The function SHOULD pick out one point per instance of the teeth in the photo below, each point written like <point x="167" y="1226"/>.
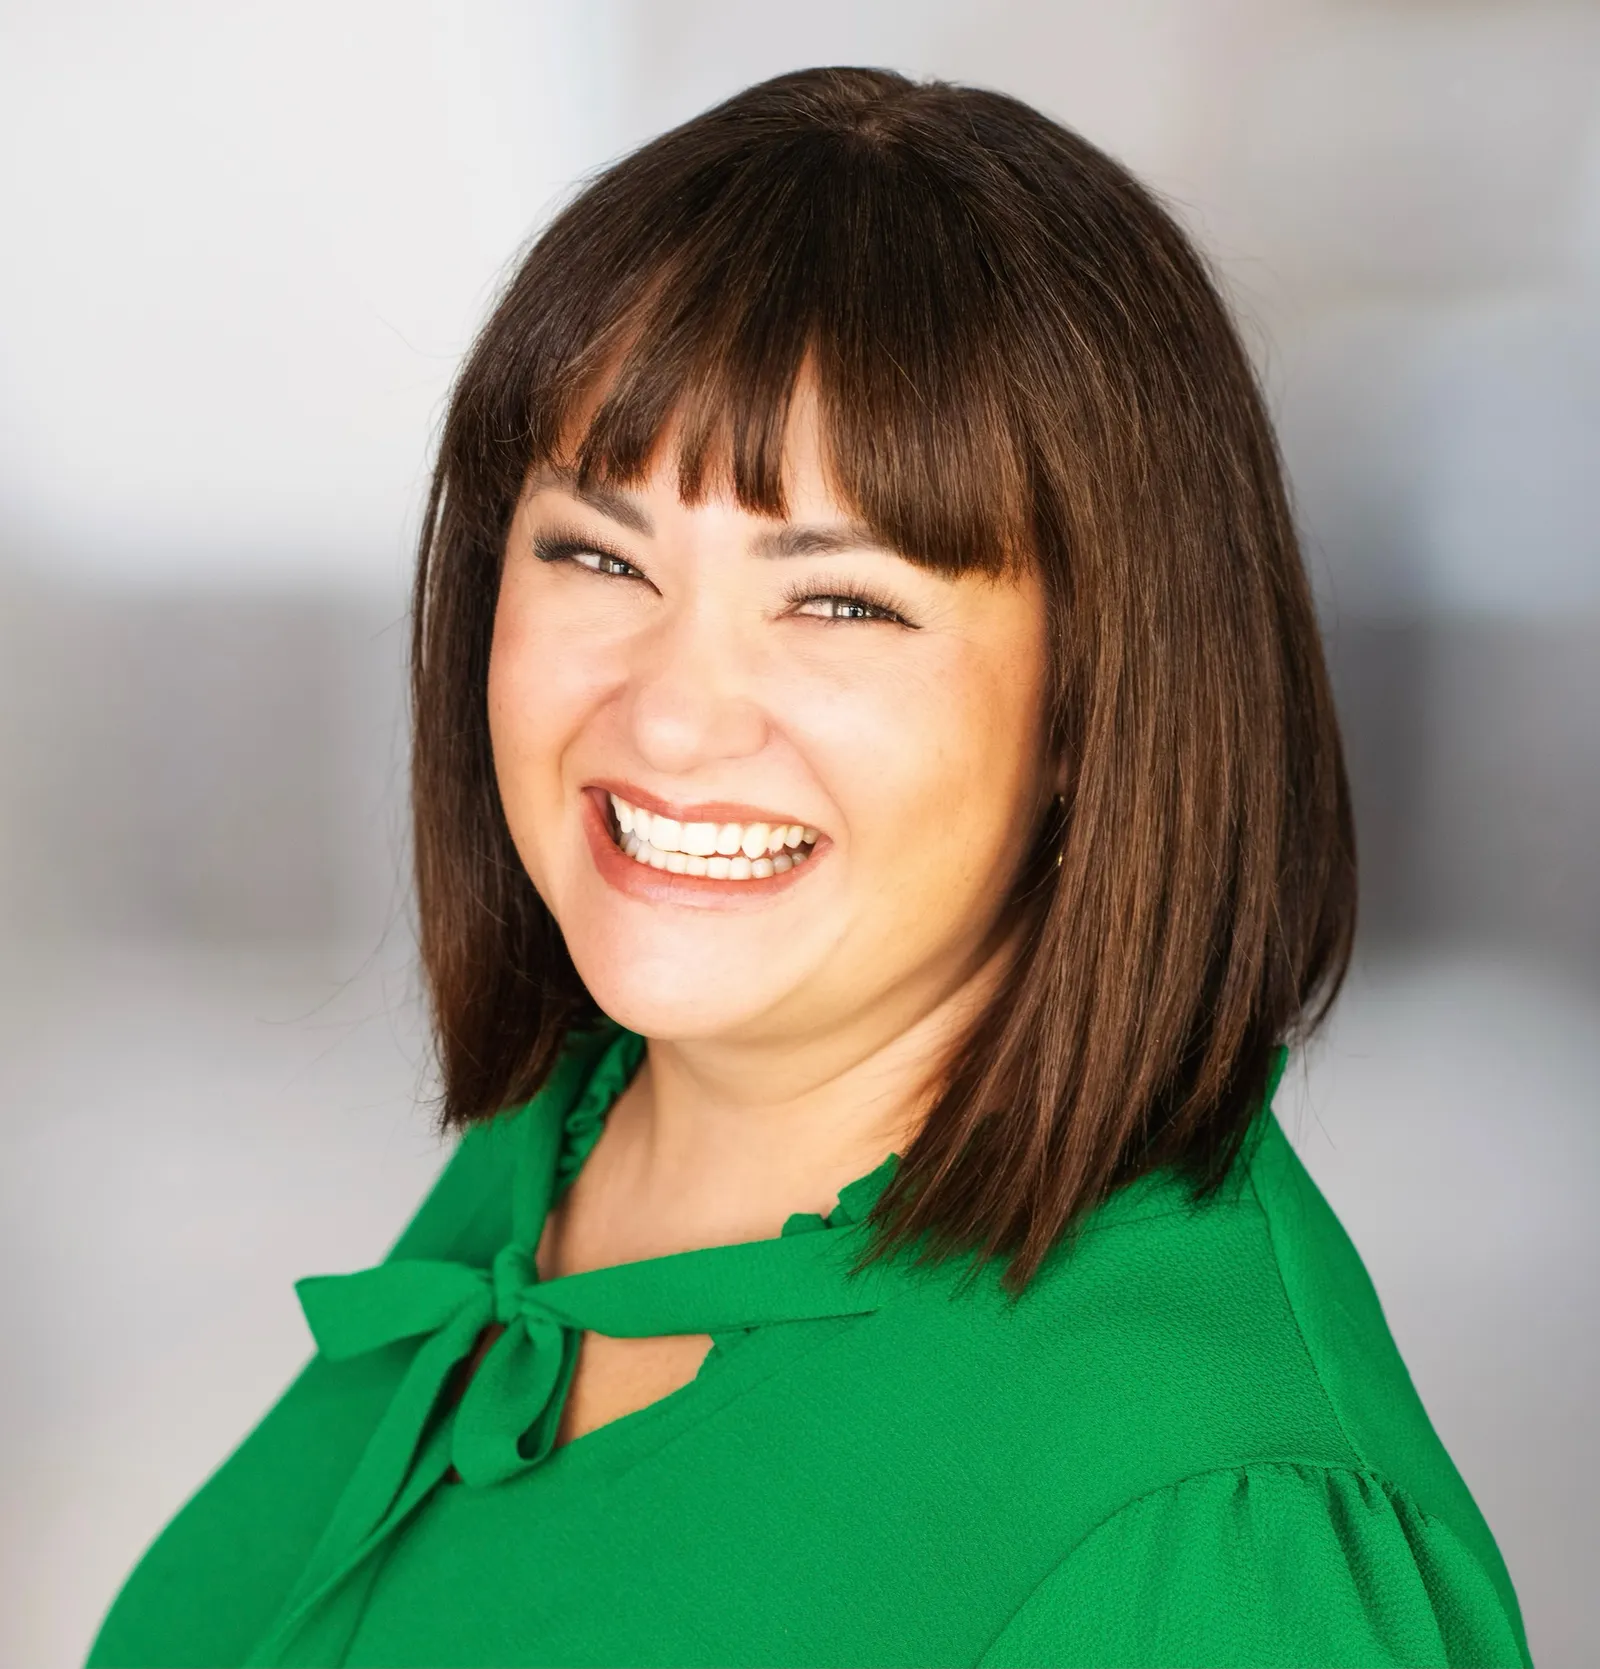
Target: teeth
<point x="717" y="851"/>
<point x="700" y="838"/>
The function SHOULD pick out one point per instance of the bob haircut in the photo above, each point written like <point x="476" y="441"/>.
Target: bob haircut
<point x="1019" y="359"/>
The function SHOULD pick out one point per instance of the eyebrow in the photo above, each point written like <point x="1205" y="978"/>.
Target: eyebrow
<point x="781" y="542"/>
<point x="621" y="507"/>
<point x="815" y="541"/>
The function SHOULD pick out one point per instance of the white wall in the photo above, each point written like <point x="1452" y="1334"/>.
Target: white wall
<point x="248" y="245"/>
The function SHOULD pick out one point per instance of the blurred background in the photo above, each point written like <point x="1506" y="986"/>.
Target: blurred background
<point x="248" y="245"/>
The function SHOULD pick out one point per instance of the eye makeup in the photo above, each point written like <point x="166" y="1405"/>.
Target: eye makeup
<point x="562" y="545"/>
<point x="882" y="605"/>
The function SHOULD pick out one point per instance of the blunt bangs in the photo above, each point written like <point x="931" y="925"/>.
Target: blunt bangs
<point x="816" y="265"/>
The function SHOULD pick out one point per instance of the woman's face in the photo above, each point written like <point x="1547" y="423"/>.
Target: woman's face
<point x="702" y="665"/>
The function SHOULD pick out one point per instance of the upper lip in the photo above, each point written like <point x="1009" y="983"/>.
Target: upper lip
<point x="702" y="811"/>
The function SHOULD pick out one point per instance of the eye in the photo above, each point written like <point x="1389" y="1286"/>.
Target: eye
<point x="585" y="553"/>
<point x="850" y="603"/>
<point x="861" y="603"/>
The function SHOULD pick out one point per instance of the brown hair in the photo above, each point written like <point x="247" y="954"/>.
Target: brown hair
<point x="1019" y="357"/>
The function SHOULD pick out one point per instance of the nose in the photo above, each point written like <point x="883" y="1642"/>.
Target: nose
<point x="693" y="695"/>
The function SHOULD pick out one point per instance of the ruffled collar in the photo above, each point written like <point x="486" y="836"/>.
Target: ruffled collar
<point x="619" y="1060"/>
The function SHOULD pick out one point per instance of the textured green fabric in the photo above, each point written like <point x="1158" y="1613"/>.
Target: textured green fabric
<point x="1191" y="1442"/>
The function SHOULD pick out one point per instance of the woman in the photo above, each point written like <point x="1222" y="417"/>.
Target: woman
<point x="879" y="818"/>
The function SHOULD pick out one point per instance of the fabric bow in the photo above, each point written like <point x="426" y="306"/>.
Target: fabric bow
<point x="507" y="1417"/>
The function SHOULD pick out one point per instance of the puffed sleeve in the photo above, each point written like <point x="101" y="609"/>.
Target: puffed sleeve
<point x="1277" y="1565"/>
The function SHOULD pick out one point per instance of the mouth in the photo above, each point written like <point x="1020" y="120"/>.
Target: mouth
<point x="740" y="854"/>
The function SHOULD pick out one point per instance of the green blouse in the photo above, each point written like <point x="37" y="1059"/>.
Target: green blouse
<point x="1192" y="1441"/>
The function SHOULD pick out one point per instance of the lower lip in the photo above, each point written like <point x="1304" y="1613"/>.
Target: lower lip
<point x="661" y="886"/>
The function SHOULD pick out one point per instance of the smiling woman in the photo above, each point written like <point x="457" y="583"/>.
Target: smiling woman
<point x="880" y="823"/>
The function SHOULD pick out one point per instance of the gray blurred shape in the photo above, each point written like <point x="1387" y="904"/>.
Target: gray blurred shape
<point x="231" y="768"/>
<point x="1474" y="754"/>
<point x="219" y="767"/>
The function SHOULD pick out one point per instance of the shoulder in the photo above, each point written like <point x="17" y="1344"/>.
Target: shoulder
<point x="1240" y="1328"/>
<point x="208" y="1586"/>
<point x="1165" y="1339"/>
<point x="468" y="1209"/>
<point x="1266" y="1564"/>
<point x="469" y="1215"/>
<point x="1215" y="1399"/>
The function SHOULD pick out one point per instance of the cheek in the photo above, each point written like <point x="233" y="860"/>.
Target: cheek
<point x="529" y="707"/>
<point x="934" y="768"/>
<point x="510" y="690"/>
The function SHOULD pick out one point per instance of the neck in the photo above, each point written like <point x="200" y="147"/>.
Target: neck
<point x="716" y="1142"/>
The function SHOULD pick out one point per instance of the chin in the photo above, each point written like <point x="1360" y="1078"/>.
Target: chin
<point x="674" y="1016"/>
<point x="674" y="976"/>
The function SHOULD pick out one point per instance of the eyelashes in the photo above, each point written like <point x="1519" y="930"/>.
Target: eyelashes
<point x="562" y="547"/>
<point x="859" y="596"/>
<point x="566" y="547"/>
